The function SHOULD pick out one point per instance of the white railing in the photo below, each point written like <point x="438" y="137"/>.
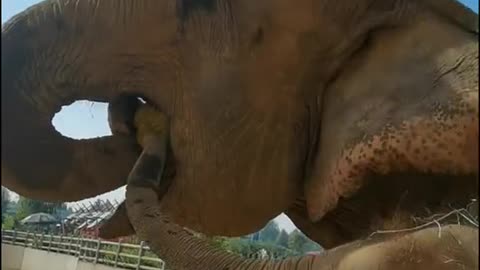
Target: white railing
<point x="117" y="254"/>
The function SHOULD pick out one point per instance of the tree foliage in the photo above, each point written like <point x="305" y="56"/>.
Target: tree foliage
<point x="276" y="242"/>
<point x="28" y="206"/>
<point x="270" y="232"/>
<point x="5" y="200"/>
<point x="282" y="239"/>
<point x="299" y="242"/>
<point x="220" y="242"/>
<point x="247" y="248"/>
<point x="8" y="222"/>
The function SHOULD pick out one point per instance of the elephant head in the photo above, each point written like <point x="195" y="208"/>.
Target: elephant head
<point x="180" y="249"/>
<point x="270" y="101"/>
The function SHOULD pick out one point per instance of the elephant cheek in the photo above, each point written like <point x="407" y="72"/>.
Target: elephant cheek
<point x="436" y="145"/>
<point x="404" y="105"/>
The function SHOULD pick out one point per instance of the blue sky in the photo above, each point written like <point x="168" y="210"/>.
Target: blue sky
<point x="86" y="119"/>
<point x="12" y="7"/>
<point x="473" y="4"/>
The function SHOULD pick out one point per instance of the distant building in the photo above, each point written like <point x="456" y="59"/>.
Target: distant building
<point x="87" y="220"/>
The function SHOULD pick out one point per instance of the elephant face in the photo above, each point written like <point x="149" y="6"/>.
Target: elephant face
<point x="267" y="101"/>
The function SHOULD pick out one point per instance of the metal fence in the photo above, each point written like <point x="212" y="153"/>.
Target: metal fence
<point x="116" y="254"/>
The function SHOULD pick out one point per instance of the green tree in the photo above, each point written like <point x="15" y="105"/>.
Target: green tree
<point x="8" y="222"/>
<point x="28" y="206"/>
<point x="219" y="242"/>
<point x="246" y="248"/>
<point x="282" y="239"/>
<point x="270" y="232"/>
<point x="298" y="242"/>
<point x="5" y="200"/>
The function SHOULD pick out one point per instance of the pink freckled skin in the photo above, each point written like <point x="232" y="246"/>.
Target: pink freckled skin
<point x="408" y="103"/>
<point x="427" y="152"/>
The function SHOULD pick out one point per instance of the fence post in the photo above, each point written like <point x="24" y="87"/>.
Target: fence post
<point x="69" y="246"/>
<point x="119" y="247"/>
<point x="41" y="240"/>
<point x="50" y="243"/>
<point x="80" y="241"/>
<point x="97" y="251"/>
<point x="75" y="249"/>
<point x="60" y="244"/>
<point x="14" y="235"/>
<point x="36" y="240"/>
<point x="140" y="254"/>
<point x="26" y="239"/>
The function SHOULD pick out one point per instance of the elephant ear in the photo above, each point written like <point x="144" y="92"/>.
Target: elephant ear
<point x="456" y="13"/>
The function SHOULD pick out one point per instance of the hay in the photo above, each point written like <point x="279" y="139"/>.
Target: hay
<point x="464" y="216"/>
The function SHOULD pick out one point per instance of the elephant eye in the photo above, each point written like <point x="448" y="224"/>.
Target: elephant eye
<point x="257" y="37"/>
<point x="186" y="7"/>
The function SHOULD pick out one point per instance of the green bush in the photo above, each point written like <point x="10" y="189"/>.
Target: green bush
<point x="8" y="222"/>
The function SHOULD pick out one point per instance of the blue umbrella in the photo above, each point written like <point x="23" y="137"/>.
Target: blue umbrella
<point x="39" y="218"/>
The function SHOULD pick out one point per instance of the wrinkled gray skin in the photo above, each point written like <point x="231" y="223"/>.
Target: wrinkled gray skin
<point x="346" y="116"/>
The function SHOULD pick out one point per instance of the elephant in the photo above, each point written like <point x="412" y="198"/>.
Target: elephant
<point x="349" y="117"/>
<point x="424" y="249"/>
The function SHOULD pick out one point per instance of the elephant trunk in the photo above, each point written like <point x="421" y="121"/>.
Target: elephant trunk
<point x="180" y="249"/>
<point x="44" y="54"/>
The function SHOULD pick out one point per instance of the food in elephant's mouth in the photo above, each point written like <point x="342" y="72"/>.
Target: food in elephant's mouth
<point x="144" y="117"/>
<point x="125" y="114"/>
